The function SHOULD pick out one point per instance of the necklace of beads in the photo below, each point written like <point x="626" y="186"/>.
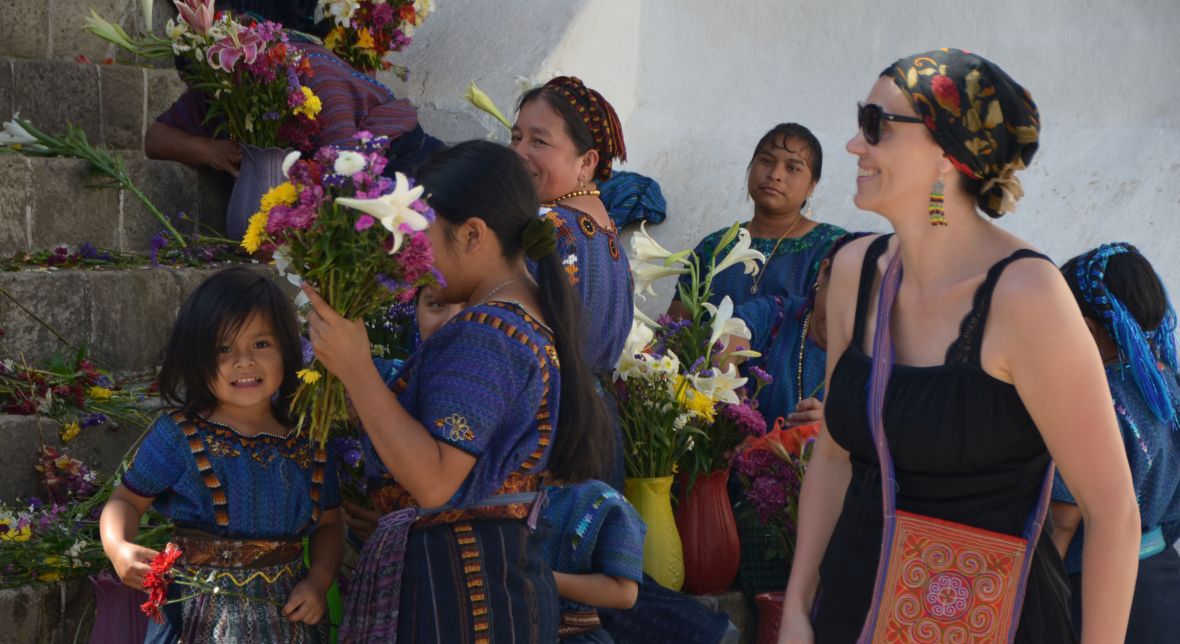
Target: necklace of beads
<point x="495" y="290"/>
<point x="571" y="195"/>
<point x="771" y="256"/>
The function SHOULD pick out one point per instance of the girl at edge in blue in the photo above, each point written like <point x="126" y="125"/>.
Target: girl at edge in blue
<point x="495" y="397"/>
<point x="1133" y="323"/>
<point x="228" y="469"/>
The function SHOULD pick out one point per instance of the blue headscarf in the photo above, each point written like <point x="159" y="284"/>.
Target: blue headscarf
<point x="1144" y="351"/>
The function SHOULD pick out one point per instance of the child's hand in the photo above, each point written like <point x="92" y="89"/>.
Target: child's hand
<point x="306" y="603"/>
<point x="132" y="562"/>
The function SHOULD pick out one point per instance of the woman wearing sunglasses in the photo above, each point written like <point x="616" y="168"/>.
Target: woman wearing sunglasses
<point x="993" y="372"/>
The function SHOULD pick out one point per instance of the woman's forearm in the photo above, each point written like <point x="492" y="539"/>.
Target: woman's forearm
<point x="1110" y="562"/>
<point x="597" y="589"/>
<point x="820" y="503"/>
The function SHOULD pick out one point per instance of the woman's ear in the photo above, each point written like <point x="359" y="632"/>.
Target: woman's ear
<point x="590" y="164"/>
<point x="474" y="234"/>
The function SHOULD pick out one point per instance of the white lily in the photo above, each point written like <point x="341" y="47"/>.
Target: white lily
<point x="14" y="134"/>
<point x="741" y="253"/>
<point x="721" y="386"/>
<point x="482" y="101"/>
<point x="393" y="210"/>
<point x="724" y="324"/>
<point x="646" y="274"/>
<point x="348" y="163"/>
<point x="647" y="249"/>
<point x="643" y="317"/>
<point x="289" y="161"/>
<point x="639" y="338"/>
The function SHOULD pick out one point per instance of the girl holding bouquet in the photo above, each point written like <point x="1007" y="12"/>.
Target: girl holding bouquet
<point x="226" y="466"/>
<point x="496" y="396"/>
<point x="568" y="136"/>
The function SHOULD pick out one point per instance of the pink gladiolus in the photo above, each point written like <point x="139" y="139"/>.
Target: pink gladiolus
<point x="224" y="54"/>
<point x="197" y="13"/>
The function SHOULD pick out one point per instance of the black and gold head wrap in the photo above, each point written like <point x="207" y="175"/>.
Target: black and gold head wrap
<point x="987" y="124"/>
<point x="599" y="116"/>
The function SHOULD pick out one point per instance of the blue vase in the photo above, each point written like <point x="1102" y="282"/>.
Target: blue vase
<point x="261" y="170"/>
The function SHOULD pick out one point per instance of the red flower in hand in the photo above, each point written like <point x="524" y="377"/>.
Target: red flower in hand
<point x="155" y="582"/>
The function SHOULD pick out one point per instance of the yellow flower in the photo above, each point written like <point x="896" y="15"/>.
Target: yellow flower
<point x="14" y="534"/>
<point x="364" y="40"/>
<point x="70" y="432"/>
<point x="332" y="40"/>
<point x="282" y="194"/>
<point x="58" y="563"/>
<point x="255" y="232"/>
<point x="696" y="403"/>
<point x="309" y="376"/>
<point x="311" y="106"/>
<point x="100" y="393"/>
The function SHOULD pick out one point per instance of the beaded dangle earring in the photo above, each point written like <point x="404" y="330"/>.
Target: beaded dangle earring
<point x="937" y="215"/>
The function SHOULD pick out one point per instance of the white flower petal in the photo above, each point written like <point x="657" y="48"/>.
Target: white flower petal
<point x="289" y="161"/>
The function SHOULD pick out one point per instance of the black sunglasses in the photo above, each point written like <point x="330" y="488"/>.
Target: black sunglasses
<point x="869" y="118"/>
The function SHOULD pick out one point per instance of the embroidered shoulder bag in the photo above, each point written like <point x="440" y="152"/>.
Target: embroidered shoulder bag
<point x="939" y="581"/>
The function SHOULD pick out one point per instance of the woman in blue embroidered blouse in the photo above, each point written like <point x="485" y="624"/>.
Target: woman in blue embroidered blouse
<point x="1133" y="323"/>
<point x="226" y="466"/>
<point x="781" y="177"/>
<point x="568" y="136"/>
<point x="496" y="396"/>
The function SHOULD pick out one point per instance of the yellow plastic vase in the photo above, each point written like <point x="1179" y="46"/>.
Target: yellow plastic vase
<point x="663" y="555"/>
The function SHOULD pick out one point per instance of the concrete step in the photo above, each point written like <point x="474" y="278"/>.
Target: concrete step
<point x="113" y="104"/>
<point x="53" y="30"/>
<point x="123" y="316"/>
<point x="101" y="448"/>
<point x="46" y="201"/>
<point x="57" y="613"/>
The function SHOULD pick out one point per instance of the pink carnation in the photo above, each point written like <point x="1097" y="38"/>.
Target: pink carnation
<point x="415" y="257"/>
<point x="364" y="222"/>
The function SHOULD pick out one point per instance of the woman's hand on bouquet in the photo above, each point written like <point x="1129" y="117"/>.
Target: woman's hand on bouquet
<point x="809" y="411"/>
<point x="340" y="344"/>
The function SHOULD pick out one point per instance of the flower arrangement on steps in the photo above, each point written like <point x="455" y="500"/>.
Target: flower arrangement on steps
<point x="365" y="32"/>
<point x="670" y="383"/>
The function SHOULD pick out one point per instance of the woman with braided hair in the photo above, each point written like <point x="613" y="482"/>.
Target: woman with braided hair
<point x="958" y="370"/>
<point x="1133" y="323"/>
<point x="568" y="136"/>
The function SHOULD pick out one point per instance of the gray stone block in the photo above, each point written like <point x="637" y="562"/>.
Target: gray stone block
<point x="164" y="87"/>
<point x="15" y="182"/>
<point x="58" y="298"/>
<point x="68" y="38"/>
<point x="52" y="93"/>
<point x="171" y="187"/>
<point x="131" y="313"/>
<point x="65" y="210"/>
<point x="213" y="190"/>
<point x="46" y="613"/>
<point x="7" y="89"/>
<point x="121" y="115"/>
<point x="24" y="29"/>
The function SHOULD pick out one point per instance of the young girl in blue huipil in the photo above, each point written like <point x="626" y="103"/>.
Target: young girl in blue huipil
<point x="226" y="466"/>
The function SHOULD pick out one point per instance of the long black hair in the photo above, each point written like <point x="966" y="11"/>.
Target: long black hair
<point x="487" y="180"/>
<point x="212" y="316"/>
<point x="1130" y="278"/>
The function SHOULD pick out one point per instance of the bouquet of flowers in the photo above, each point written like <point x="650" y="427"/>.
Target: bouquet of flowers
<point x="352" y="233"/>
<point x="717" y="395"/>
<point x="364" y="32"/>
<point x="770" y="468"/>
<point x="251" y="74"/>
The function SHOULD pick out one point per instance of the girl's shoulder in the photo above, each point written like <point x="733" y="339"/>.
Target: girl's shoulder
<point x="504" y="331"/>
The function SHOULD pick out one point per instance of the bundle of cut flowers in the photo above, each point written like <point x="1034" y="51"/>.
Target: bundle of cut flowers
<point x="251" y="75"/>
<point x="353" y="234"/>
<point x="72" y="390"/>
<point x="770" y="468"/>
<point x="705" y="381"/>
<point x="364" y="32"/>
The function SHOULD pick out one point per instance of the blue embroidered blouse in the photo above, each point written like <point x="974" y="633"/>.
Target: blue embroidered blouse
<point x="776" y="327"/>
<point x="1153" y="451"/>
<point x="595" y="530"/>
<point x="599" y="270"/>
<point x="791" y="272"/>
<point x="488" y="383"/>
<point x="274" y="487"/>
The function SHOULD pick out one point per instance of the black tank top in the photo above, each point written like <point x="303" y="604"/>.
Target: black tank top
<point x="964" y="449"/>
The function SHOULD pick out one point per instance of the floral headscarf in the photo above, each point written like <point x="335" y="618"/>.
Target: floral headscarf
<point x="987" y="124"/>
<point x="599" y="116"/>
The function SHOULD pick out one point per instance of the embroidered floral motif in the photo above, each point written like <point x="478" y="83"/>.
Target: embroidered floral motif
<point x="220" y="448"/>
<point x="551" y="351"/>
<point x="264" y="456"/>
<point x="456" y="427"/>
<point x="571" y="268"/>
<point x="586" y="223"/>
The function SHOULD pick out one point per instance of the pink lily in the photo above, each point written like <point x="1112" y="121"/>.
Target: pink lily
<point x="197" y="13"/>
<point x="244" y="44"/>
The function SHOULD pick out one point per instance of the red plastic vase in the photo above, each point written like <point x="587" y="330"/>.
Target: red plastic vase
<point x="770" y="616"/>
<point x="708" y="531"/>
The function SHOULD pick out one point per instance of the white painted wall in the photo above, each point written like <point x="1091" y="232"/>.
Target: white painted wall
<point x="697" y="82"/>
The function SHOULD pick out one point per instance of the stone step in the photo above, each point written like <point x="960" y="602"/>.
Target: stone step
<point x="113" y="104"/>
<point x="46" y="201"/>
<point x="123" y="316"/>
<point x="53" y="30"/>
<point x="101" y="448"/>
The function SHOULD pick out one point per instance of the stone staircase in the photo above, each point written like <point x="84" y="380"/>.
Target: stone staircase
<point x="122" y="315"/>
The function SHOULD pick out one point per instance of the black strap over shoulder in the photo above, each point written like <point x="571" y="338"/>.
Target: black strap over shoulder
<point x="868" y="273"/>
<point x="966" y="348"/>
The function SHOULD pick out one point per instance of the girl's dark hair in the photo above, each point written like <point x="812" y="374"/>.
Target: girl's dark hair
<point x="778" y="136"/>
<point x="486" y="180"/>
<point x="211" y="316"/>
<point x="575" y="127"/>
<point x="1130" y="278"/>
